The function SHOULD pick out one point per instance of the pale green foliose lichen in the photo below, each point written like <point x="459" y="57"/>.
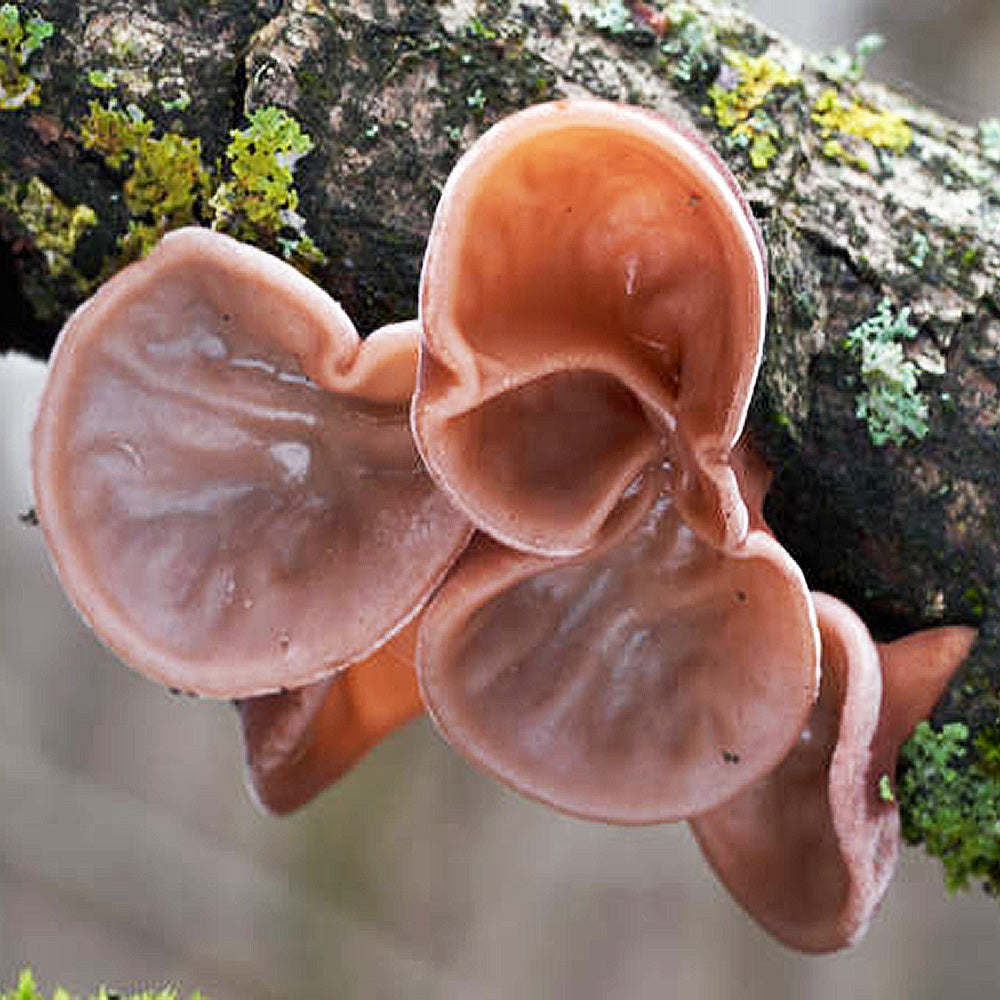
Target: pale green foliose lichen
<point x="891" y="404"/>
<point x="611" y="16"/>
<point x="849" y="67"/>
<point x="688" y="51"/>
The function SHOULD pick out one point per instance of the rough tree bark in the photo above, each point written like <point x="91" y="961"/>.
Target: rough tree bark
<point x="862" y="195"/>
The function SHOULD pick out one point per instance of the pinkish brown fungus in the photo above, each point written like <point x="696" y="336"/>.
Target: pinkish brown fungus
<point x="593" y="301"/>
<point x="299" y="742"/>
<point x="809" y="850"/>
<point x="647" y="680"/>
<point x="225" y="475"/>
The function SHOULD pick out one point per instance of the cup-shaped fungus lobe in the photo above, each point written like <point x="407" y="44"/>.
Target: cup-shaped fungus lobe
<point x="296" y="743"/>
<point x="809" y="850"/>
<point x="225" y="474"/>
<point x="592" y="299"/>
<point x="647" y="680"/>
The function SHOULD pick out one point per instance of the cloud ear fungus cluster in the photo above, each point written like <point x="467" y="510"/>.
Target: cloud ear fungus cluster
<point x="592" y="299"/>
<point x="297" y="743"/>
<point x="225" y="474"/>
<point x="647" y="680"/>
<point x="809" y="850"/>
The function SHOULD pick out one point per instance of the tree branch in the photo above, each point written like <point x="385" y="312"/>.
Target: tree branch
<point x="882" y="221"/>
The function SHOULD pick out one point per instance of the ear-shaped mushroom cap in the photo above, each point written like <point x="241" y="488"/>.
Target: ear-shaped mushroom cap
<point x="646" y="681"/>
<point x="592" y="299"/>
<point x="299" y="742"/>
<point x="810" y="849"/>
<point x="225" y="473"/>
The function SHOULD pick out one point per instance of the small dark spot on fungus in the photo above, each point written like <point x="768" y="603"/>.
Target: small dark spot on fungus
<point x="29" y="518"/>
<point x="729" y="757"/>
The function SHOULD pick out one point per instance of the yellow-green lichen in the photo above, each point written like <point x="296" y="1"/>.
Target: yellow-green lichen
<point x="949" y="795"/>
<point x="20" y="38"/>
<point x="166" y="178"/>
<point x="756" y="77"/>
<point x="252" y="196"/>
<point x="258" y="201"/>
<point x="841" y="121"/>
<point x="26" y="989"/>
<point x="738" y="104"/>
<point x="54" y="227"/>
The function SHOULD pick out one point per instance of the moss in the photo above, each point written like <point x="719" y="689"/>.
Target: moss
<point x="841" y="122"/>
<point x="55" y="227"/>
<point x="891" y="404"/>
<point x="949" y="794"/>
<point x="168" y="185"/>
<point x="20" y="38"/>
<point x="26" y="989"/>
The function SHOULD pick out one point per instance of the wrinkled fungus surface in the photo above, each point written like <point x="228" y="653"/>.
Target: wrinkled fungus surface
<point x="225" y="474"/>
<point x="810" y="849"/>
<point x="645" y="681"/>
<point x="592" y="301"/>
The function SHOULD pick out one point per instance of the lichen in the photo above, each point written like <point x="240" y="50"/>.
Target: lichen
<point x="949" y="794"/>
<point x="28" y="990"/>
<point x="688" y="51"/>
<point x="166" y="178"/>
<point x="19" y="40"/>
<point x="168" y="185"/>
<point x="258" y="202"/>
<point x="891" y="405"/>
<point x="611" y="17"/>
<point x="841" y="123"/>
<point x="738" y="99"/>
<point x="54" y="227"/>
<point x="988" y="133"/>
<point x="845" y="66"/>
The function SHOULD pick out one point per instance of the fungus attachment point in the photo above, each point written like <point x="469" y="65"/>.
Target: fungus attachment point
<point x="225" y="474"/>
<point x="299" y="742"/>
<point x="810" y="849"/>
<point x="593" y="301"/>
<point x="645" y="681"/>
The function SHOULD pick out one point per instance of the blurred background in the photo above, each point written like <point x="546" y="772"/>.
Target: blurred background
<point x="130" y="853"/>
